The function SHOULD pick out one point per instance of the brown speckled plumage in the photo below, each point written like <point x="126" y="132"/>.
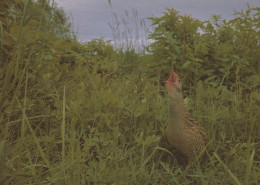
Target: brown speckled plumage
<point x="182" y="131"/>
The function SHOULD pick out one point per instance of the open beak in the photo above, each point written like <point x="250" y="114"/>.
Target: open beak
<point x="172" y="78"/>
<point x="167" y="82"/>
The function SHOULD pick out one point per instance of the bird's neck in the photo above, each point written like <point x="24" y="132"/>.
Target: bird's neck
<point x="176" y="111"/>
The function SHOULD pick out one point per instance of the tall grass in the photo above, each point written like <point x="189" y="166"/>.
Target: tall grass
<point x="129" y="31"/>
<point x="75" y="113"/>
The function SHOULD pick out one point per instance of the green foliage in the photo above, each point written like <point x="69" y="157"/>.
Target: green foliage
<point x="219" y="52"/>
<point x="85" y="113"/>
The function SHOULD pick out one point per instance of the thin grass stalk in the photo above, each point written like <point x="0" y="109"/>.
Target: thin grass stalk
<point x="43" y="13"/>
<point x="63" y="123"/>
<point x="41" y="56"/>
<point x="19" y="50"/>
<point x="13" y="68"/>
<point x="22" y="23"/>
<point x="249" y="167"/>
<point x="51" y="181"/>
<point x="43" y="156"/>
<point x="2" y="145"/>
<point x="23" y="129"/>
<point x="165" y="150"/>
<point x="250" y="158"/>
<point x="1" y="40"/>
<point x="19" y="38"/>
<point x="226" y="74"/>
<point x="30" y="118"/>
<point x="53" y="25"/>
<point x="226" y="168"/>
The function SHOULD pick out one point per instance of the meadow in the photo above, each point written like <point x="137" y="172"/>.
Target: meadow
<point x="90" y="113"/>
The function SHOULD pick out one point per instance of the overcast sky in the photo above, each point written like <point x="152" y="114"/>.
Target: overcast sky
<point x="91" y="18"/>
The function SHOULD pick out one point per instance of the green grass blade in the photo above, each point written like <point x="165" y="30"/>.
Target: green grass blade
<point x="226" y="168"/>
<point x="34" y="136"/>
<point x="63" y="123"/>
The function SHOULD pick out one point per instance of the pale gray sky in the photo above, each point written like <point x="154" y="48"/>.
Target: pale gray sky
<point x="91" y="18"/>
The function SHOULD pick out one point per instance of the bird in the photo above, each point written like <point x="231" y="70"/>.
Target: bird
<point x="182" y="131"/>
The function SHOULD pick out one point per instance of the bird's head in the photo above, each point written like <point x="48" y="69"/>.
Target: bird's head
<point x="173" y="85"/>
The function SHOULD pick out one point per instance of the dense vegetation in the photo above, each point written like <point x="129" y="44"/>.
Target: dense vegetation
<point x="87" y="113"/>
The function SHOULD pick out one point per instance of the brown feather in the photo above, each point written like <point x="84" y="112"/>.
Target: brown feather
<point x="182" y="131"/>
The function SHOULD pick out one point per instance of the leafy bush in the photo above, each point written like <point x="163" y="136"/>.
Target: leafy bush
<point x="218" y="52"/>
